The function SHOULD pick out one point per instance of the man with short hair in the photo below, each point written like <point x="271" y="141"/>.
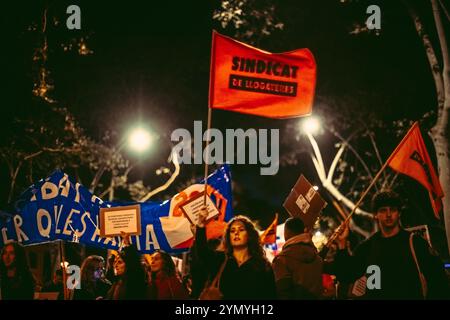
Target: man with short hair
<point x="298" y="268"/>
<point x="394" y="251"/>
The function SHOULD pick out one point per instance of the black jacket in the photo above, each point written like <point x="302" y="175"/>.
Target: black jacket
<point x="132" y="285"/>
<point x="253" y="280"/>
<point x="399" y="275"/>
<point x="17" y="288"/>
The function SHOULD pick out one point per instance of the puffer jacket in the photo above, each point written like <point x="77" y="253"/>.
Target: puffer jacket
<point x="298" y="269"/>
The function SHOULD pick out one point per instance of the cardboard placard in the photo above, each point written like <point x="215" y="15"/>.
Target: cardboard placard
<point x="191" y="208"/>
<point x="304" y="202"/>
<point x="115" y="220"/>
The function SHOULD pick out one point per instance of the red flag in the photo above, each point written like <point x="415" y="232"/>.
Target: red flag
<point x="412" y="159"/>
<point x="270" y="234"/>
<point x="249" y="80"/>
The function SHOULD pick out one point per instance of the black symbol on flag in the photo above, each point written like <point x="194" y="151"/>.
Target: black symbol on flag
<point x="418" y="158"/>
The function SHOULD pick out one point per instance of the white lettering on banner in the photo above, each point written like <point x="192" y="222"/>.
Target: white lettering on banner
<point x="138" y="243"/>
<point x="83" y="222"/>
<point x="49" y="191"/>
<point x="77" y="194"/>
<point x="64" y="186"/>
<point x="66" y="231"/>
<point x="57" y="215"/>
<point x="21" y="236"/>
<point x="44" y="232"/>
<point x="149" y="236"/>
<point x="5" y="236"/>
<point x="112" y="240"/>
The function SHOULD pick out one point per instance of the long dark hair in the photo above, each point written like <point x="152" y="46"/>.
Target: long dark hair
<point x="20" y="263"/>
<point x="168" y="266"/>
<point x="134" y="277"/>
<point x="255" y="249"/>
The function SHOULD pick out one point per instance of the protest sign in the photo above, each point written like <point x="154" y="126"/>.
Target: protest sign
<point x="304" y="202"/>
<point x="118" y="220"/>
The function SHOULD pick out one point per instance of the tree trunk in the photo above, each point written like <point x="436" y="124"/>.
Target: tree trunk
<point x="440" y="132"/>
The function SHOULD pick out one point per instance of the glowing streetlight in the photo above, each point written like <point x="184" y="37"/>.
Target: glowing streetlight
<point x="140" y="140"/>
<point x="311" y="125"/>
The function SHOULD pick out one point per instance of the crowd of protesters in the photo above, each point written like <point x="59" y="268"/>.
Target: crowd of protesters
<point x="237" y="268"/>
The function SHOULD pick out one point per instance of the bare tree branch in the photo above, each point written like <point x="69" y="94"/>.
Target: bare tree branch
<point x="357" y="155"/>
<point x="317" y="154"/>
<point x="168" y="182"/>
<point x="13" y="181"/>
<point x="335" y="162"/>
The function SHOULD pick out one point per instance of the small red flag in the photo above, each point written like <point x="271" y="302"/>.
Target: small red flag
<point x="412" y="159"/>
<point x="249" y="80"/>
<point x="270" y="234"/>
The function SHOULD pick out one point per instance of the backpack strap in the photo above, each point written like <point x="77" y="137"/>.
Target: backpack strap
<point x="422" y="279"/>
<point x="216" y="281"/>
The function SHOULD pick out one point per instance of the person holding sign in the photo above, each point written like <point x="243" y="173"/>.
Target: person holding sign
<point x="405" y="265"/>
<point x="130" y="282"/>
<point x="240" y="266"/>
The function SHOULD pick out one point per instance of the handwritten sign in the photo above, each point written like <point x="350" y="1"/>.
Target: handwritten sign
<point x="191" y="208"/>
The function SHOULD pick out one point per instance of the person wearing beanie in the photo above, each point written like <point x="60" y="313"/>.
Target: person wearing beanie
<point x="407" y="268"/>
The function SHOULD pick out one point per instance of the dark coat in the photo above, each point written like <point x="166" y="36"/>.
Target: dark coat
<point x="298" y="270"/>
<point x="399" y="275"/>
<point x="132" y="285"/>
<point x="253" y="280"/>
<point x="20" y="287"/>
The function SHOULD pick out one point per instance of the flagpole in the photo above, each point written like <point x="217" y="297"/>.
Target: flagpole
<point x="210" y="92"/>
<point x="208" y="137"/>
<point x="63" y="266"/>
<point x="341" y="228"/>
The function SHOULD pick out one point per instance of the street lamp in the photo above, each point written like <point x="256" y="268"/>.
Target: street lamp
<point x="140" y="140"/>
<point x="311" y="125"/>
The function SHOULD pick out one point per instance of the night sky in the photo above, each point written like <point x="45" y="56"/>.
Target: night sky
<point x="150" y="63"/>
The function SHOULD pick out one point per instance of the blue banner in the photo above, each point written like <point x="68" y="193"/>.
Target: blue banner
<point x="58" y="208"/>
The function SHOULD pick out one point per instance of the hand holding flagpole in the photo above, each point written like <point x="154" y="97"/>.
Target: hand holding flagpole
<point x="402" y="160"/>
